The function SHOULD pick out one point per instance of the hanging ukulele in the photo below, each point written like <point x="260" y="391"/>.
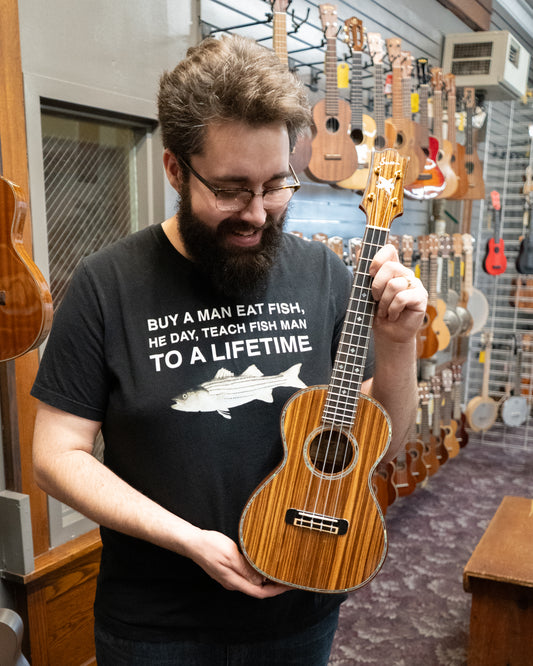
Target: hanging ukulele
<point x="334" y="156"/>
<point x="376" y="48"/>
<point x="25" y="300"/>
<point x="474" y="168"/>
<point x="495" y="261"/>
<point x="301" y="153"/>
<point x="314" y="523"/>
<point x="430" y="182"/>
<point x="362" y="127"/>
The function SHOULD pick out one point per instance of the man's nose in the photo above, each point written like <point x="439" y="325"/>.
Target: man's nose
<point x="255" y="212"/>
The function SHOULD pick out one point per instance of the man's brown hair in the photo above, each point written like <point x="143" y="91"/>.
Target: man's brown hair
<point x="231" y="78"/>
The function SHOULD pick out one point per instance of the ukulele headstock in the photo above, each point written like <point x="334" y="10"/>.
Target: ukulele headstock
<point x="469" y="98"/>
<point x="457" y="243"/>
<point x="435" y="387"/>
<point x="355" y="33"/>
<point x="437" y="79"/>
<point x="383" y="197"/>
<point x="445" y="243"/>
<point x="447" y="380"/>
<point x="328" y="18"/>
<point x="394" y="50"/>
<point x="467" y="244"/>
<point x="280" y="5"/>
<point x="495" y="199"/>
<point x="376" y="47"/>
<point x="434" y="245"/>
<point x="422" y="71"/>
<point x="449" y="82"/>
<point x="407" y="250"/>
<point x="423" y="393"/>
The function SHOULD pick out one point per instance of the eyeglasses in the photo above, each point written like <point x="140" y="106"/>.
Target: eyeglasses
<point x="236" y="199"/>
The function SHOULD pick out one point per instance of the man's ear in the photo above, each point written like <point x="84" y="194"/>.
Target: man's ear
<point x="173" y="169"/>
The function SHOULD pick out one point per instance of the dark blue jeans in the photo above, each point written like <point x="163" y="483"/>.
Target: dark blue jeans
<point x="310" y="647"/>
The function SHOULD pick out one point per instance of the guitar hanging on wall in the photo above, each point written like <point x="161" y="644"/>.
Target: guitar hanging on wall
<point x="301" y="153"/>
<point x="25" y="300"/>
<point x="495" y="261"/>
<point x="362" y="127"/>
<point x="315" y="523"/>
<point x="333" y="156"/>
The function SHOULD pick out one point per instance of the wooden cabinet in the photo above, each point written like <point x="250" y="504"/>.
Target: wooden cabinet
<point x="500" y="577"/>
<point x="56" y="602"/>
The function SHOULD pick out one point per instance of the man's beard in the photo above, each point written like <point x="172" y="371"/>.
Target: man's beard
<point x="235" y="272"/>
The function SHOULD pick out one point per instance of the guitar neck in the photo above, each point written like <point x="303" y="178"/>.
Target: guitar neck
<point x="437" y="115"/>
<point x="486" y="371"/>
<point x="280" y="36"/>
<point x="356" y="91"/>
<point x="379" y="104"/>
<point x="397" y="99"/>
<point x="332" y="95"/>
<point x="347" y="376"/>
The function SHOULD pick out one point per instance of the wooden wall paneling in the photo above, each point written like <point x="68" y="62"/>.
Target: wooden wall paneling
<point x="475" y="13"/>
<point x="14" y="154"/>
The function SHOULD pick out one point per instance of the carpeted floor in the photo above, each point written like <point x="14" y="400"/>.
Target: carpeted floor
<point x="415" y="612"/>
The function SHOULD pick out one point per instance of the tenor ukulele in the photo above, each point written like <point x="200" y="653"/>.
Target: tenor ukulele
<point x="495" y="261"/>
<point x="445" y="154"/>
<point x="430" y="181"/>
<point x="315" y="523"/>
<point x="25" y="300"/>
<point x="363" y="126"/>
<point x="333" y="155"/>
<point x="301" y="153"/>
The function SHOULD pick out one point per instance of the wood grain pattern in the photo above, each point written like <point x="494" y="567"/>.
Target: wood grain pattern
<point x="311" y="559"/>
<point x="25" y="300"/>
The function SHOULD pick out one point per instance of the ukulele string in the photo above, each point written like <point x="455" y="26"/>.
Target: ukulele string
<point x="349" y="374"/>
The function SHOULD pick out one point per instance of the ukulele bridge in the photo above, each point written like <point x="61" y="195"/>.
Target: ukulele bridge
<point x="316" y="521"/>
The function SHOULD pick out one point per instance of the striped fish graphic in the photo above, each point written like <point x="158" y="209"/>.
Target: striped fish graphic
<point x="226" y="391"/>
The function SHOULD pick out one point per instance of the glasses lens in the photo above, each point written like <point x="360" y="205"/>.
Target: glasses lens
<point x="229" y="200"/>
<point x="275" y="198"/>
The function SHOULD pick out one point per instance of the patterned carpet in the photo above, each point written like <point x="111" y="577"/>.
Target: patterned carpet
<point x="415" y="612"/>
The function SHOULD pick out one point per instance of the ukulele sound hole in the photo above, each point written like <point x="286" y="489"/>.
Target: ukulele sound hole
<point x="332" y="125"/>
<point x="379" y="142"/>
<point x="357" y="136"/>
<point x="331" y="452"/>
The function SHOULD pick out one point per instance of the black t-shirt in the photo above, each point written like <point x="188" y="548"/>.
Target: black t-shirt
<point x="189" y="388"/>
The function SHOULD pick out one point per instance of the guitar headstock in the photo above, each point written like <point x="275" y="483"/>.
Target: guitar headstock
<point x="376" y="47"/>
<point x="383" y="198"/>
<point x="467" y="244"/>
<point x="328" y="18"/>
<point x="435" y="386"/>
<point x="447" y="379"/>
<point x="469" y="98"/>
<point x="407" y="250"/>
<point x="394" y="49"/>
<point x="423" y="247"/>
<point x="355" y="33"/>
<point x="495" y="199"/>
<point x="423" y="392"/>
<point x="280" y="5"/>
<point x="434" y="245"/>
<point x="457" y="372"/>
<point x="445" y="245"/>
<point x="437" y="79"/>
<point x="422" y="71"/>
<point x="406" y="64"/>
<point x="449" y="82"/>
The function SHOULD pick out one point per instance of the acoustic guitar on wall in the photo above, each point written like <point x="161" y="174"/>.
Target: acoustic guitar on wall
<point x="333" y="156"/>
<point x="314" y="523"/>
<point x="362" y="126"/>
<point x="25" y="301"/>
<point x="301" y="153"/>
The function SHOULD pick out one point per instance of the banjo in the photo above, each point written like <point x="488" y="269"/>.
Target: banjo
<point x="515" y="409"/>
<point x="482" y="410"/>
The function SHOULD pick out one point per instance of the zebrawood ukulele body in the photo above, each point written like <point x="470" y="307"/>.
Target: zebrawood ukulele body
<point x="294" y="530"/>
<point x="315" y="522"/>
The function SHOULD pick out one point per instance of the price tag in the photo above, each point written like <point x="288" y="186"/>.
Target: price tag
<point x="415" y="102"/>
<point x="343" y="75"/>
